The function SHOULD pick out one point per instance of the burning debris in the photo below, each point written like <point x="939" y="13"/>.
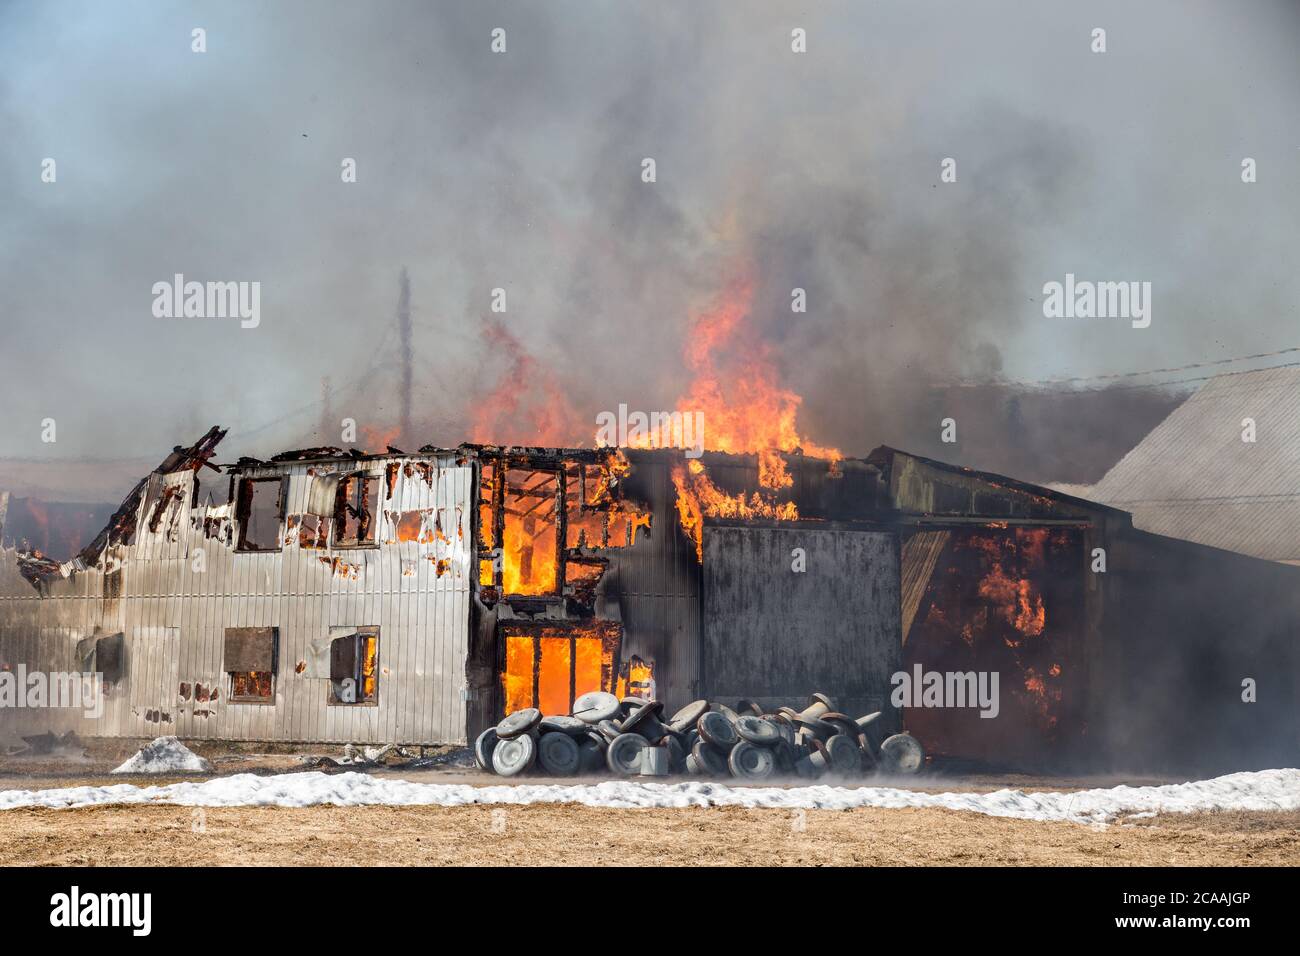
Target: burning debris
<point x="628" y="737"/>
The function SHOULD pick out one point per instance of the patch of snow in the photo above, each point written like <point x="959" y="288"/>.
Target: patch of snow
<point x="1260" y="790"/>
<point x="164" y="755"/>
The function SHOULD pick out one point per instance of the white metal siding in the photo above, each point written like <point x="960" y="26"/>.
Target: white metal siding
<point x="423" y="621"/>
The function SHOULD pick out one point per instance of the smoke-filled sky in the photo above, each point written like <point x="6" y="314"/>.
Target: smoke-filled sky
<point x="522" y="171"/>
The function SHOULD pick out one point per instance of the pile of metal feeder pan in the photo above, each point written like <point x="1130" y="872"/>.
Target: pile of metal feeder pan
<point x="630" y="737"/>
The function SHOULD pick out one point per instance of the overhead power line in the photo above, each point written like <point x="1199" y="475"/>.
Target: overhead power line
<point x="1202" y="378"/>
<point x="1118" y="376"/>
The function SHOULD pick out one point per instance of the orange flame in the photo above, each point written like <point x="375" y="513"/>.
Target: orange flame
<point x="530" y="511"/>
<point x="1018" y="601"/>
<point x="636" y="679"/>
<point x="549" y="667"/>
<point x="1042" y="697"/>
<point x="698" y="496"/>
<point x="528" y="555"/>
<point x="376" y="440"/>
<point x="527" y="406"/>
<point x="737" y="387"/>
<point x="369" y="658"/>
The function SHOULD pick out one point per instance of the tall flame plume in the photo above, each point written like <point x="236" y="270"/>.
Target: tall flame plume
<point x="747" y="409"/>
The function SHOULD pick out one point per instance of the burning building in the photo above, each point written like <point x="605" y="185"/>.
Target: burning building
<point x="331" y="596"/>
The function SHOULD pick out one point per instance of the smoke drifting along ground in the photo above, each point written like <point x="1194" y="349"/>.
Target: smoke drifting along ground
<point x="521" y="171"/>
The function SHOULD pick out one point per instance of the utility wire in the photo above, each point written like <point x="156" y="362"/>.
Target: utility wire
<point x="1195" y="378"/>
<point x="1173" y="368"/>
<point x="1116" y="376"/>
<point x="381" y="357"/>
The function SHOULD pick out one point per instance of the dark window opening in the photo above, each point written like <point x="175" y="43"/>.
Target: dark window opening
<point x="354" y="525"/>
<point x="250" y="660"/>
<point x="354" y="665"/>
<point x="259" y="512"/>
<point x="108" y="658"/>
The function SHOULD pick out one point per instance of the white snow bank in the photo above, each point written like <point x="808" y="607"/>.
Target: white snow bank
<point x="164" y="755"/>
<point x="1262" y="790"/>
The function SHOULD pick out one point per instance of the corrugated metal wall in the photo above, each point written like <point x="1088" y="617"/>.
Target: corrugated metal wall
<point x="181" y="589"/>
<point x="775" y="635"/>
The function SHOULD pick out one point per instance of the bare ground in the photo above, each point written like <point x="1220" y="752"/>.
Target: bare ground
<point x="569" y="835"/>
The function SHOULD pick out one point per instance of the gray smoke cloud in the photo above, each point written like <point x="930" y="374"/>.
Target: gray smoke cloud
<point x="522" y="171"/>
